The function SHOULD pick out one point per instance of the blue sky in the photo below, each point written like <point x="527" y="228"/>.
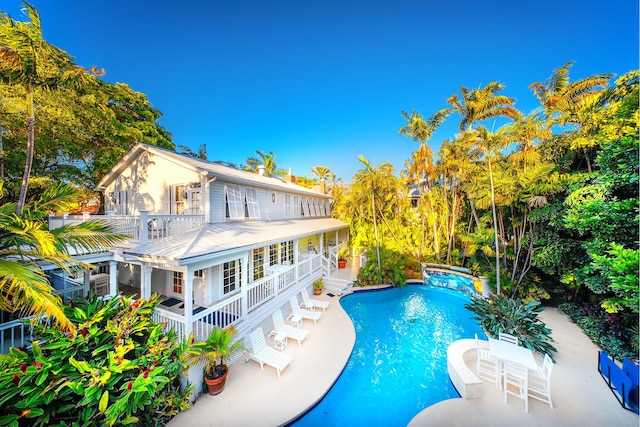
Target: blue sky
<point x="320" y="82"/>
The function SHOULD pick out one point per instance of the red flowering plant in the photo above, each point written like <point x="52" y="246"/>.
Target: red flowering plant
<point x="122" y="368"/>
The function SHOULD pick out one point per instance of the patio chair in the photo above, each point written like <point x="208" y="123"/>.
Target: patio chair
<point x="263" y="354"/>
<point x="619" y="383"/>
<point x="296" y="311"/>
<point x="540" y="382"/>
<point x="516" y="375"/>
<point x="487" y="366"/>
<point x="508" y="338"/>
<point x="279" y="327"/>
<point x="632" y="370"/>
<point x="310" y="304"/>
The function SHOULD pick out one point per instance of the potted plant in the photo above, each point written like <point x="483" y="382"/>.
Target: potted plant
<point x="317" y="286"/>
<point x="213" y="354"/>
<point x="343" y="257"/>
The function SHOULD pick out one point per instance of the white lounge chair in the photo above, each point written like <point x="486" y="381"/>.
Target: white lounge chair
<point x="279" y="327"/>
<point x="337" y="287"/>
<point x="311" y="304"/>
<point x="296" y="311"/>
<point x="262" y="353"/>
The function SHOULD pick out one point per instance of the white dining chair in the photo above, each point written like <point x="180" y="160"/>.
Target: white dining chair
<point x="516" y="375"/>
<point x="540" y="382"/>
<point x="508" y="338"/>
<point x="487" y="366"/>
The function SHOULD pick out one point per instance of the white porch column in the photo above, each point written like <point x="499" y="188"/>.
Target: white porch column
<point x="296" y="245"/>
<point x="113" y="277"/>
<point x="86" y="279"/>
<point x="244" y="283"/>
<point x="187" y="283"/>
<point x="145" y="281"/>
<point x="144" y="231"/>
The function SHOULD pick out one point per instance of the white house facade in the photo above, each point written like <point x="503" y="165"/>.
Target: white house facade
<point x="219" y="245"/>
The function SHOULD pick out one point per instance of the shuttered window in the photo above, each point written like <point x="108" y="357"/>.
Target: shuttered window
<point x="234" y="204"/>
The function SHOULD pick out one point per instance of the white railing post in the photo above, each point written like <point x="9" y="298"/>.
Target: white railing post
<point x="144" y="219"/>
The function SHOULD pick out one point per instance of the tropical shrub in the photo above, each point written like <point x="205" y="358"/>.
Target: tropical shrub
<point x="613" y="332"/>
<point x="392" y="271"/>
<point x="121" y="368"/>
<point x="501" y="314"/>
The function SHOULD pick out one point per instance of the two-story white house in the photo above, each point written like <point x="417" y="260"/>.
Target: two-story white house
<point x="221" y="246"/>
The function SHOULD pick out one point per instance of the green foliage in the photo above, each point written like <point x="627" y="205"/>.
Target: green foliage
<point x="121" y="368"/>
<point x="318" y="284"/>
<point x="615" y="333"/>
<point x="621" y="270"/>
<point x="501" y="314"/>
<point x="392" y="271"/>
<point x="213" y="353"/>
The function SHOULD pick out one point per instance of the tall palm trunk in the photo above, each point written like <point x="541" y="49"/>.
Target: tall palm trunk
<point x="31" y="120"/>
<point x="495" y="227"/>
<point x="375" y="226"/>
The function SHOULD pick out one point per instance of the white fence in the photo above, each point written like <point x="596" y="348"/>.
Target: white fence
<point x="142" y="228"/>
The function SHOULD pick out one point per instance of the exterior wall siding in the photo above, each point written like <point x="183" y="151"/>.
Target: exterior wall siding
<point x="146" y="180"/>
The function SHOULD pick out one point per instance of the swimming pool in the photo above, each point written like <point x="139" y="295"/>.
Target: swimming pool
<point x="398" y="365"/>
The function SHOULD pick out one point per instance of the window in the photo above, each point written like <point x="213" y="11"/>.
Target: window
<point x="177" y="282"/>
<point x="273" y="254"/>
<point x="120" y="202"/>
<point x="252" y="209"/>
<point x="296" y="202"/>
<point x="193" y="196"/>
<point x="316" y="206"/>
<point x="288" y="206"/>
<point x="198" y="273"/>
<point x="178" y="200"/>
<point x="234" y="205"/>
<point x="305" y="207"/>
<point x="258" y="263"/>
<point x="231" y="276"/>
<point x="286" y="253"/>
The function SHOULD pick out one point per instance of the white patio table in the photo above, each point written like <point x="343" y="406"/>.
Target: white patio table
<point x="514" y="353"/>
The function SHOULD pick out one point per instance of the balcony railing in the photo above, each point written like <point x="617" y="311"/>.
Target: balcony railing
<point x="141" y="228"/>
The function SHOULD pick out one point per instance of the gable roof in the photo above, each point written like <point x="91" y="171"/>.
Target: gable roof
<point x="216" y="239"/>
<point x="209" y="169"/>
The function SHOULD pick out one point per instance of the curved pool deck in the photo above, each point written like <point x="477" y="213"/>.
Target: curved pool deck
<point x="259" y="398"/>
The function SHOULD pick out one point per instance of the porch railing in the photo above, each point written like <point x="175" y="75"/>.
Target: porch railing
<point x="223" y="314"/>
<point x="15" y="333"/>
<point x="141" y="228"/>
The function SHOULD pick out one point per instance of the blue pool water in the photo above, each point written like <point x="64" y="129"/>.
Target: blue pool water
<point x="398" y="365"/>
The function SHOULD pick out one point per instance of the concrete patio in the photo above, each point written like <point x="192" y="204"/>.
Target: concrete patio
<point x="255" y="397"/>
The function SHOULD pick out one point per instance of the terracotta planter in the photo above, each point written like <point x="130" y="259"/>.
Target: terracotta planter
<point x="342" y="263"/>
<point x="216" y="385"/>
<point x="317" y="291"/>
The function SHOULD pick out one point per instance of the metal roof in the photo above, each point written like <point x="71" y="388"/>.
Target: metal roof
<point x="210" y="169"/>
<point x="211" y="240"/>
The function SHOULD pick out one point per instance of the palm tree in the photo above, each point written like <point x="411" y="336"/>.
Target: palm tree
<point x="481" y="104"/>
<point x="567" y="102"/>
<point x="421" y="130"/>
<point x="28" y="60"/>
<point x="493" y="143"/>
<point x="26" y="243"/>
<point x="266" y="160"/>
<point x="323" y="173"/>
